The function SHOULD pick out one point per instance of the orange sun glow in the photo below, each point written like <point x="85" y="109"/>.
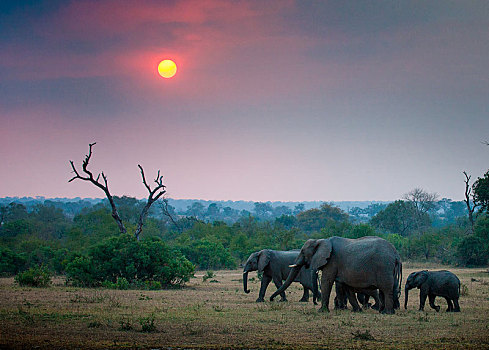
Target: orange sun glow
<point x="167" y="68"/>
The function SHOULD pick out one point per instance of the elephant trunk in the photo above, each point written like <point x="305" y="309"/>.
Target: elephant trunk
<point x="292" y="275"/>
<point x="245" y="282"/>
<point x="406" y="290"/>
<point x="314" y="281"/>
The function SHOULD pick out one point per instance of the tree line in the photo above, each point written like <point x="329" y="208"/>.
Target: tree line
<point x="123" y="241"/>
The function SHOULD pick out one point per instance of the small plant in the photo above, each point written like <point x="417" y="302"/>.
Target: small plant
<point x="153" y="285"/>
<point x="464" y="290"/>
<point x="94" y="324"/>
<point x="208" y="275"/>
<point x="147" y="324"/>
<point x="125" y="325"/>
<point x="34" y="277"/>
<point x="363" y="335"/>
<point x="144" y="297"/>
<point x="424" y="318"/>
<point x="218" y="308"/>
<point x="122" y="283"/>
<point x="26" y="316"/>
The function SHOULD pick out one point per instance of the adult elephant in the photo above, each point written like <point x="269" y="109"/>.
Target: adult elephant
<point x="364" y="263"/>
<point x="274" y="265"/>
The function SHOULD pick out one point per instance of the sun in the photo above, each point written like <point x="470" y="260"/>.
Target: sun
<point x="167" y="69"/>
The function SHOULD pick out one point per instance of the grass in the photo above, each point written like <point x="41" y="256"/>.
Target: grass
<point x="220" y="315"/>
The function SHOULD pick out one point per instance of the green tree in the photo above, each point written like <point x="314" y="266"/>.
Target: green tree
<point x="481" y="192"/>
<point x="401" y="217"/>
<point x="313" y="220"/>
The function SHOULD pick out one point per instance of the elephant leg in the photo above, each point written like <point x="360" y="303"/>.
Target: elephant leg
<point x="382" y="301"/>
<point x="353" y="300"/>
<point x="456" y="307"/>
<point x="305" y="295"/>
<point x="378" y="304"/>
<point x="449" y="304"/>
<point x="422" y="300"/>
<point x="326" y="285"/>
<point x="388" y="300"/>
<point x="431" y="299"/>
<point x="265" y="281"/>
<point x="278" y="284"/>
<point x="363" y="299"/>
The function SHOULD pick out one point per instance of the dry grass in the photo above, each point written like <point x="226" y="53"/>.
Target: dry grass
<point x="220" y="315"/>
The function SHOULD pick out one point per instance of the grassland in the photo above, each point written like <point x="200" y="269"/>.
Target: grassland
<point x="217" y="314"/>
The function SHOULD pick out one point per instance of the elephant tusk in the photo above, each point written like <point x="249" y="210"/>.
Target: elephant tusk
<point x="294" y="265"/>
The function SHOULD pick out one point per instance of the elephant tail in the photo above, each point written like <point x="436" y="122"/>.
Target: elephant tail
<point x="397" y="283"/>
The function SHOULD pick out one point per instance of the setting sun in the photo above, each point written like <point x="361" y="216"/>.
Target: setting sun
<point x="167" y="68"/>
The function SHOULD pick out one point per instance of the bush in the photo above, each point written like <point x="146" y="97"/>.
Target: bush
<point x="123" y="259"/>
<point x="208" y="253"/>
<point x="11" y="263"/>
<point x="471" y="251"/>
<point x="34" y="277"/>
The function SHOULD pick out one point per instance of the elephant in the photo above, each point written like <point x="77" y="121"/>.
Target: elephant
<point x="275" y="266"/>
<point x="362" y="295"/>
<point x="364" y="263"/>
<point x="432" y="284"/>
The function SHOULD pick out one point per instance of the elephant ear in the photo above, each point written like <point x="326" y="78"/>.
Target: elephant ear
<point x="420" y="277"/>
<point x="322" y="254"/>
<point x="263" y="259"/>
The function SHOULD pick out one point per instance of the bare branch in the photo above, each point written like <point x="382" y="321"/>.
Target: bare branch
<point x="470" y="207"/>
<point x="153" y="196"/>
<point x="166" y="212"/>
<point x="96" y="182"/>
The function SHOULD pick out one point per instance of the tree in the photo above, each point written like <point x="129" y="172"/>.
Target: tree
<point x="153" y="196"/>
<point x="263" y="210"/>
<point x="196" y="210"/>
<point x="481" y="192"/>
<point x="471" y="203"/>
<point x="422" y="200"/>
<point x="400" y="217"/>
<point x="313" y="220"/>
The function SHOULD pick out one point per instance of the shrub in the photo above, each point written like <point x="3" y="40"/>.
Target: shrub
<point x="207" y="253"/>
<point x="10" y="262"/>
<point x="34" y="277"/>
<point x="471" y="251"/>
<point x="123" y="259"/>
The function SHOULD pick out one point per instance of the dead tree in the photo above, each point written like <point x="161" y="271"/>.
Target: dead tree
<point x="468" y="195"/>
<point x="153" y="196"/>
<point x="104" y="187"/>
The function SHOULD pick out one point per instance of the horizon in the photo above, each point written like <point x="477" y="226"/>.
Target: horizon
<point x="272" y="101"/>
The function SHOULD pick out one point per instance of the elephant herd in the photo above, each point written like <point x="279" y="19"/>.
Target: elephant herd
<point x="363" y="268"/>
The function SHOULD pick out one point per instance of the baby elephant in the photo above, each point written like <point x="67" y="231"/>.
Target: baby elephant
<point x="432" y="284"/>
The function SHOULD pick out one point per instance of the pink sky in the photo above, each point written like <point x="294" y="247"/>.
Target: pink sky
<point x="276" y="100"/>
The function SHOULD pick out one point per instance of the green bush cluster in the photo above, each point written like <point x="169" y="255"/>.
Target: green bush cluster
<point x="123" y="261"/>
<point x="39" y="276"/>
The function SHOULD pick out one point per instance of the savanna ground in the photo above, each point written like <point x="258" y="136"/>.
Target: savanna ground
<point x="216" y="313"/>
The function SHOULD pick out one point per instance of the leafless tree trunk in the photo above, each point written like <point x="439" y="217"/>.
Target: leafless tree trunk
<point x="468" y="195"/>
<point x="104" y="187"/>
<point x="153" y="196"/>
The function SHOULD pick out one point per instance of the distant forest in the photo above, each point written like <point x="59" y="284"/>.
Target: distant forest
<point x="62" y="234"/>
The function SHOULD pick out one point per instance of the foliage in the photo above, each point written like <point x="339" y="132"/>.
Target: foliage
<point x="38" y="276"/>
<point x="124" y="257"/>
<point x="481" y="192"/>
<point x="207" y="253"/>
<point x="313" y="220"/>
<point x="11" y="263"/>
<point x="473" y="250"/>
<point x="401" y="217"/>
